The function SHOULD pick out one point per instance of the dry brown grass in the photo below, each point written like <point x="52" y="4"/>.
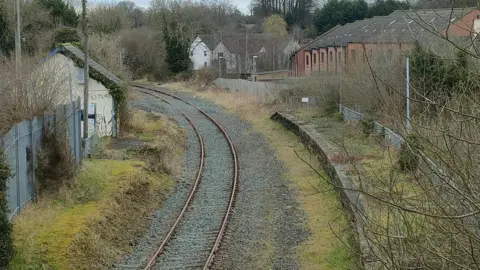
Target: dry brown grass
<point x="323" y="250"/>
<point x="91" y="224"/>
<point x="32" y="94"/>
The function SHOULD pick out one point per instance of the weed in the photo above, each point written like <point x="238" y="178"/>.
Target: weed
<point x="56" y="164"/>
<point x="6" y="242"/>
<point x="409" y="157"/>
<point x="368" y="125"/>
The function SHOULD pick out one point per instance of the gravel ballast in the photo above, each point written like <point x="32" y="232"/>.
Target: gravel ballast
<point x="266" y="218"/>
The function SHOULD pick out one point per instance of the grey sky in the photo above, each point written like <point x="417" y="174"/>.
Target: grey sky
<point x="242" y="5"/>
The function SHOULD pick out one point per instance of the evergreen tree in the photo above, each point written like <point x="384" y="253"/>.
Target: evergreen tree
<point x="61" y="12"/>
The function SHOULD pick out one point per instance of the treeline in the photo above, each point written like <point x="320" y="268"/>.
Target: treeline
<point x="340" y="12"/>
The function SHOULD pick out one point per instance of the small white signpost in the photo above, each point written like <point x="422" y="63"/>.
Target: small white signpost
<point x="305" y="99"/>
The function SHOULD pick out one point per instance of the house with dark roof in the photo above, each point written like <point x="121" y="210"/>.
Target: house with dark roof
<point x="66" y="62"/>
<point x="345" y="47"/>
<point x="235" y="53"/>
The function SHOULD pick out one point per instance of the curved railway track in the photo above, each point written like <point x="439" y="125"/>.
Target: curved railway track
<point x="185" y="237"/>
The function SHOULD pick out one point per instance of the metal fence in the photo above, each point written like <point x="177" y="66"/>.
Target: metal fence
<point x="391" y="137"/>
<point x="22" y="143"/>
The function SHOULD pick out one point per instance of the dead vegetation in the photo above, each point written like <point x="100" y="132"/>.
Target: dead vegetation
<point x="31" y="94"/>
<point x="91" y="223"/>
<point x="422" y="201"/>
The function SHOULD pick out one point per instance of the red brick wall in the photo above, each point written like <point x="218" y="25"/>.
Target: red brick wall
<point x="308" y="63"/>
<point x="339" y="58"/>
<point x="315" y="61"/>
<point x="298" y="65"/>
<point x="323" y="64"/>
<point x="464" y="26"/>
<point x="332" y="60"/>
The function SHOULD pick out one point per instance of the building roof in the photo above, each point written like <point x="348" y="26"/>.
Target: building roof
<point x="404" y="26"/>
<point x="240" y="43"/>
<point x="209" y="40"/>
<point x="91" y="63"/>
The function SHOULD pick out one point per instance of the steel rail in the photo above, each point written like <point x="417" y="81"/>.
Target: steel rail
<point x="233" y="191"/>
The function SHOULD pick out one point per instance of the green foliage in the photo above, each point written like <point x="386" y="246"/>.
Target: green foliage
<point x="65" y="35"/>
<point x="336" y="12"/>
<point x="61" y="12"/>
<point x="6" y="34"/>
<point x="340" y="12"/>
<point x="437" y="78"/>
<point x="409" y="157"/>
<point x="338" y="116"/>
<point x="275" y="25"/>
<point x="6" y="241"/>
<point x="368" y="125"/>
<point x="177" y="46"/>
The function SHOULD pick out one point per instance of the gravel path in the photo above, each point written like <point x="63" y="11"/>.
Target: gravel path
<point x="266" y="218"/>
<point x="162" y="220"/>
<point x="265" y="208"/>
<point x="191" y="243"/>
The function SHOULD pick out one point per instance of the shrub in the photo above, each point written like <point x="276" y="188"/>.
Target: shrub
<point x="65" y="35"/>
<point x="367" y="125"/>
<point x="409" y="157"/>
<point x="6" y="241"/>
<point x="205" y="75"/>
<point x="56" y="164"/>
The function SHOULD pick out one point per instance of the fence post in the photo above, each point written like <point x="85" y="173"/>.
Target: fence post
<point x="408" y="95"/>
<point x="17" y="168"/>
<point x="33" y="157"/>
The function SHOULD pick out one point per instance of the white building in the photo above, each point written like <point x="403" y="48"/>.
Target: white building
<point x="201" y="52"/>
<point x="61" y="62"/>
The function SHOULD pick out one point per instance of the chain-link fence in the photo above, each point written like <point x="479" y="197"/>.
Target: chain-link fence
<point x="22" y="143"/>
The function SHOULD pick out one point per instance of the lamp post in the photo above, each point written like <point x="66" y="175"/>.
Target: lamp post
<point x="220" y="66"/>
<point x="254" y="68"/>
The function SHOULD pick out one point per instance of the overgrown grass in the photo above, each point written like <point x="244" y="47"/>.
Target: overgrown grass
<point x="92" y="223"/>
<point x="325" y="217"/>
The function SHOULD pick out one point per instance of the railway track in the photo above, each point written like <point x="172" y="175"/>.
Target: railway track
<point x="196" y="234"/>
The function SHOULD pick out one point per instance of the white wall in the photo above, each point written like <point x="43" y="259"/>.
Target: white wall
<point x="72" y="76"/>
<point x="200" y="54"/>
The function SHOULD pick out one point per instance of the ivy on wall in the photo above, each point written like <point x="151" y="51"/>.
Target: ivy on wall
<point x="117" y="91"/>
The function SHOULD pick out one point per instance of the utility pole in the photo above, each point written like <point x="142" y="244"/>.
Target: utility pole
<point x="18" y="46"/>
<point x="408" y="95"/>
<point x="85" y="71"/>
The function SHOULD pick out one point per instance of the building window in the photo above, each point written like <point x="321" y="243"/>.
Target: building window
<point x="205" y="53"/>
<point x="307" y="60"/>
<point x="353" y="55"/>
<point x="220" y="54"/>
<point x="314" y="58"/>
<point x="205" y="64"/>
<point x="330" y="55"/>
<point x="339" y="56"/>
<point x="322" y="57"/>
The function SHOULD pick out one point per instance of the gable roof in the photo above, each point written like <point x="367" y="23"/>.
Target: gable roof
<point x="69" y="50"/>
<point x="402" y="26"/>
<point x="209" y="40"/>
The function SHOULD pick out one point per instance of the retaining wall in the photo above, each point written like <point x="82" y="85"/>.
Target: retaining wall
<point x="350" y="198"/>
<point x="259" y="89"/>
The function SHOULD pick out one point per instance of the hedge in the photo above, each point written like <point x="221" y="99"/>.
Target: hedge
<point x="6" y="241"/>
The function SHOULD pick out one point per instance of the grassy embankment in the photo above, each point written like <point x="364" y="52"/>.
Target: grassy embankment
<point x="326" y="221"/>
<point x="91" y="224"/>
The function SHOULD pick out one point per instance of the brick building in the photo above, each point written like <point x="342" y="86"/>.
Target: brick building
<point x="345" y="47"/>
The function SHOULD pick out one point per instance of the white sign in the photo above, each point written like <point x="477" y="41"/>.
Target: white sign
<point x="91" y="122"/>
<point x="305" y="99"/>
